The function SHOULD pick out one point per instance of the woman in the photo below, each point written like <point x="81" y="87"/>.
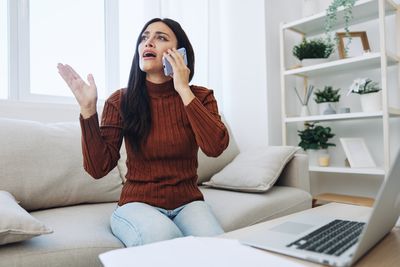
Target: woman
<point x="163" y="121"/>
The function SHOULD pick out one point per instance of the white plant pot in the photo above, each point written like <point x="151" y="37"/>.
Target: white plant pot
<point x="304" y="111"/>
<point x="327" y="108"/>
<point x="323" y="158"/>
<point x="318" y="157"/>
<point x="312" y="157"/>
<point x="313" y="61"/>
<point x="371" y="102"/>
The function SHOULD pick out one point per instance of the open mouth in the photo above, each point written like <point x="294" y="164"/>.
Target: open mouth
<point x="149" y="54"/>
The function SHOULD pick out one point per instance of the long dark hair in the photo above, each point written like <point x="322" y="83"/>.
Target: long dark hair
<point x="135" y="104"/>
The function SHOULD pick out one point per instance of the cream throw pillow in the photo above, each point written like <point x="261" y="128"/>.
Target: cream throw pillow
<point x="254" y="170"/>
<point x="41" y="165"/>
<point x="16" y="224"/>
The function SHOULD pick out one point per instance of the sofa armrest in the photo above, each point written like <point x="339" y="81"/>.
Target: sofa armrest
<point x="295" y="173"/>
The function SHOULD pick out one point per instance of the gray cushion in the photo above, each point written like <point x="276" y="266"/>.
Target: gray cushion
<point x="235" y="210"/>
<point x="253" y="170"/>
<point x="81" y="233"/>
<point x="41" y="166"/>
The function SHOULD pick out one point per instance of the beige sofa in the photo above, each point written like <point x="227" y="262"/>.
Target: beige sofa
<point x="41" y="166"/>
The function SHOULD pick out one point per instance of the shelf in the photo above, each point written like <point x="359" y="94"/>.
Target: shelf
<point x="353" y="200"/>
<point x="334" y="117"/>
<point x="363" y="10"/>
<point x="393" y="112"/>
<point x="366" y="61"/>
<point x="333" y="169"/>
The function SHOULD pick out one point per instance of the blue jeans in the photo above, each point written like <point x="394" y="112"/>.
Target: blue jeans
<point x="138" y="223"/>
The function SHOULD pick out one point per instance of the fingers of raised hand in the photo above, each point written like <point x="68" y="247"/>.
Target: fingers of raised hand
<point x="73" y="72"/>
<point x="65" y="73"/>
<point x="70" y="76"/>
<point x="91" y="80"/>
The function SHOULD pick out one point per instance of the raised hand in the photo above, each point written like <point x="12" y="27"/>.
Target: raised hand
<point x="85" y="94"/>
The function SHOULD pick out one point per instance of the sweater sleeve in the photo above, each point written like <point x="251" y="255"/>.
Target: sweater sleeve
<point x="210" y="132"/>
<point x="101" y="144"/>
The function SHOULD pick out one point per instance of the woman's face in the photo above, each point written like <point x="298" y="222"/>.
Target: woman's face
<point x="156" y="39"/>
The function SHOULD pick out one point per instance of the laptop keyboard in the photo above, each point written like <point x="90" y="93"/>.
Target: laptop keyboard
<point x="333" y="238"/>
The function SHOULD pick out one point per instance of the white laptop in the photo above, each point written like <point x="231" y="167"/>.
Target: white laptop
<point x="330" y="241"/>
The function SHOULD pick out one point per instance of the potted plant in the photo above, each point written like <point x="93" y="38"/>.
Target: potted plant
<point x="326" y="100"/>
<point x="313" y="51"/>
<point x="331" y="19"/>
<point x="370" y="94"/>
<point x="314" y="140"/>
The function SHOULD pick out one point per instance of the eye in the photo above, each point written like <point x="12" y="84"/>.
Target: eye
<point x="144" y="37"/>
<point x="162" y="38"/>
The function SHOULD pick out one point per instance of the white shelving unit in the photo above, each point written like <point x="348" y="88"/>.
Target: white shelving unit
<point x="364" y="10"/>
<point x="379" y="61"/>
<point x="336" y="169"/>
<point x="365" y="62"/>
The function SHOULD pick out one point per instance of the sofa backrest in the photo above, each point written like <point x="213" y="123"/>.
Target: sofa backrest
<point x="41" y="166"/>
<point x="69" y="114"/>
<point x="43" y="112"/>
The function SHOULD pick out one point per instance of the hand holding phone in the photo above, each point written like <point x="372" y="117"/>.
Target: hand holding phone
<point x="167" y="66"/>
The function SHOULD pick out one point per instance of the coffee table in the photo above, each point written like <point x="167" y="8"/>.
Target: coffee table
<point x="385" y="253"/>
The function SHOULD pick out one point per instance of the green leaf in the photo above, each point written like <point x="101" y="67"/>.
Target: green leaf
<point x="315" y="137"/>
<point x="327" y="95"/>
<point x="317" y="48"/>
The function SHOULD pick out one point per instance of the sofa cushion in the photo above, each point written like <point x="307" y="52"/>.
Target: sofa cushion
<point x="81" y="233"/>
<point x="235" y="210"/>
<point x="254" y="170"/>
<point x="16" y="224"/>
<point x="41" y="166"/>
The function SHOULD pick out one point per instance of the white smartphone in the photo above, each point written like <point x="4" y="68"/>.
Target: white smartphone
<point x="167" y="66"/>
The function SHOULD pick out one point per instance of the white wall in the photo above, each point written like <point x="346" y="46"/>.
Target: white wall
<point x="276" y="12"/>
<point x="243" y="70"/>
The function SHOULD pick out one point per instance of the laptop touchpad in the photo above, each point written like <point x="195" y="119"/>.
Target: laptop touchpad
<point x="293" y="228"/>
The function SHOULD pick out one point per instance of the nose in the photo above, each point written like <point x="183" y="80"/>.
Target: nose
<point x="149" y="42"/>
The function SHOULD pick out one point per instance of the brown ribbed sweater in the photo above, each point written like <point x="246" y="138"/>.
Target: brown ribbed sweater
<point x="164" y="173"/>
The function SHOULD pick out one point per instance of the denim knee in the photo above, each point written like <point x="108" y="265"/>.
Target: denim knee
<point x="125" y="231"/>
<point x="197" y="219"/>
<point x="138" y="224"/>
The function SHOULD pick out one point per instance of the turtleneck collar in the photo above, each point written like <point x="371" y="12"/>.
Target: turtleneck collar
<point x="160" y="89"/>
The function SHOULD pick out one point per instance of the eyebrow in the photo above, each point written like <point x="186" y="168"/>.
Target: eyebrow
<point x="157" y="32"/>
